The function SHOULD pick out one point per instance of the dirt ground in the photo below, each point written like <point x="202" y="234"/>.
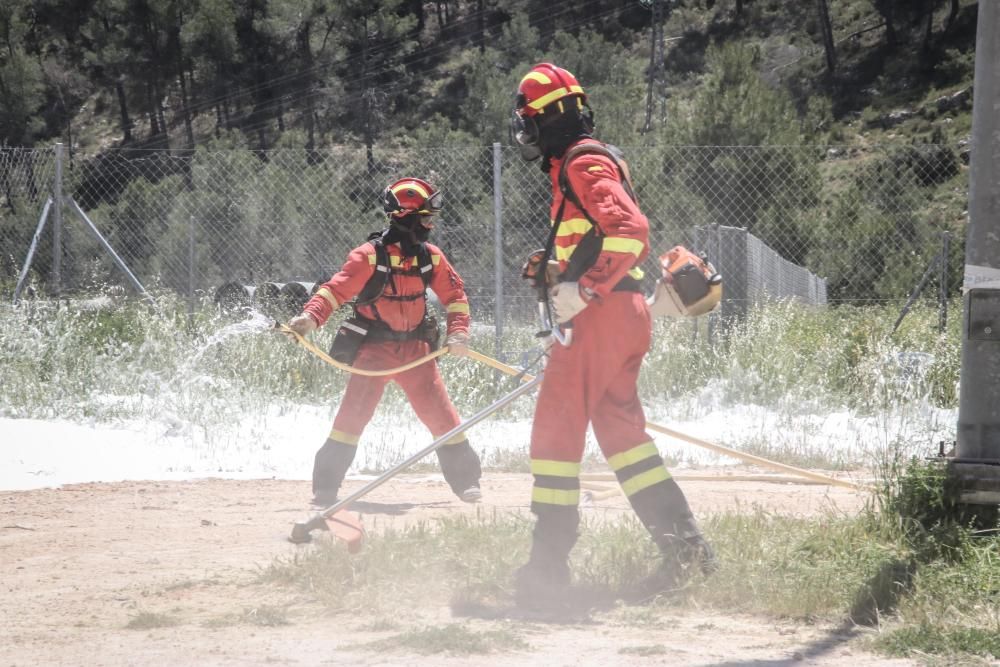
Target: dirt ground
<point x="81" y="562"/>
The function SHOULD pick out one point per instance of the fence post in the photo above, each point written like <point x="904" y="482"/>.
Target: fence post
<point x="498" y="310"/>
<point x="57" y="198"/>
<point x="943" y="287"/>
<point x="191" y="274"/>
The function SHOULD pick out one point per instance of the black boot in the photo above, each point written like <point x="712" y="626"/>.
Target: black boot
<point x="544" y="581"/>
<point x="682" y="557"/>
<point x="461" y="469"/>
<point x="665" y="513"/>
<point x="331" y="464"/>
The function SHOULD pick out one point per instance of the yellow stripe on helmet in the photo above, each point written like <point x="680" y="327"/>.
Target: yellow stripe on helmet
<point x="423" y="193"/>
<point x="556" y="94"/>
<point x="538" y="77"/>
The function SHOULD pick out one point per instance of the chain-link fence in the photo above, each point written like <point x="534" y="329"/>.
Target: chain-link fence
<point x="862" y="225"/>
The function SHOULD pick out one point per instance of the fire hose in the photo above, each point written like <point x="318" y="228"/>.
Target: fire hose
<point x="511" y="370"/>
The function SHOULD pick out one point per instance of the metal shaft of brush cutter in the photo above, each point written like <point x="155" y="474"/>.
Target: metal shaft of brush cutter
<point x="301" y="529"/>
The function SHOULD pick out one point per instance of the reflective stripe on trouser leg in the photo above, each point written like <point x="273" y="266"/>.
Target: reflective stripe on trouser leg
<point x="657" y="500"/>
<point x="555" y="500"/>
<point x="459" y="464"/>
<point x="557" y="485"/>
<point x="331" y="464"/>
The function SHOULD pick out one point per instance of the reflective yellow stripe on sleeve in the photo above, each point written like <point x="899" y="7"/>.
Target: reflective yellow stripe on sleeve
<point x="555" y="496"/>
<point x="573" y="226"/>
<point x="328" y="297"/>
<point x="435" y="260"/>
<point x="458" y="308"/>
<point x="563" y="254"/>
<point x="612" y="244"/>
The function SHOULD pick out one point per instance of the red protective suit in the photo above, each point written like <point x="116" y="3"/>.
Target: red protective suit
<point x="401" y="307"/>
<point x="594" y="380"/>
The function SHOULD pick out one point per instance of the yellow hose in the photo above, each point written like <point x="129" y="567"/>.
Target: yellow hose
<point x="510" y="370"/>
<point x="284" y="328"/>
<point x="749" y="458"/>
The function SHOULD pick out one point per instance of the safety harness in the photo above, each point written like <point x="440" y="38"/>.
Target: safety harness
<point x="589" y="247"/>
<point x="358" y="329"/>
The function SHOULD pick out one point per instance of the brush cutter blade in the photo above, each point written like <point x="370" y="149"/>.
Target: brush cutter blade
<point x="347" y="527"/>
<point x="343" y="525"/>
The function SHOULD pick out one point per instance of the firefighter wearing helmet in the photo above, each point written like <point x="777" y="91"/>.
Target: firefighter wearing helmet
<point x="388" y="277"/>
<point x="598" y="239"/>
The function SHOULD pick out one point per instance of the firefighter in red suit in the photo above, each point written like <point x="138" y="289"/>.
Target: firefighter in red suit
<point x="394" y="316"/>
<point x="593" y="380"/>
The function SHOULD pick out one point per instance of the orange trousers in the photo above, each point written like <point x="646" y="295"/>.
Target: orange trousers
<point x="426" y="392"/>
<point x="422" y="385"/>
<point x="594" y="381"/>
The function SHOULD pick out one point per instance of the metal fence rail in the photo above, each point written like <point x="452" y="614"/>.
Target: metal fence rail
<point x="863" y="226"/>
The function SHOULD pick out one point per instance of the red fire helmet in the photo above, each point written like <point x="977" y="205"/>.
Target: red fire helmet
<point x="411" y="195"/>
<point x="544" y="85"/>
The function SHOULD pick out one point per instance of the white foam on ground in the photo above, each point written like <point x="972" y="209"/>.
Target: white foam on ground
<point x="280" y="442"/>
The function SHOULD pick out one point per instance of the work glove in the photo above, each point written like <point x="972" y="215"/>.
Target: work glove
<point x="567" y="301"/>
<point x="302" y="324"/>
<point x="458" y="343"/>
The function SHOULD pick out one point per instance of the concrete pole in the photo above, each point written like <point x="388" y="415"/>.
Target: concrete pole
<point x="978" y="438"/>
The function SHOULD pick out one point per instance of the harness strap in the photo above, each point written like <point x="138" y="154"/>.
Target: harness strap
<point x="589" y="247"/>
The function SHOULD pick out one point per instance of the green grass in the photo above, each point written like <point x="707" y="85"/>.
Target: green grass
<point x="128" y="362"/>
<point x="266" y="616"/>
<point x="644" y="651"/>
<point x="908" y="562"/>
<point x="454" y="638"/>
<point x="150" y="620"/>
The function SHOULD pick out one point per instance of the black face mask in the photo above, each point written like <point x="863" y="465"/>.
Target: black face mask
<point x="559" y="133"/>
<point x="408" y="232"/>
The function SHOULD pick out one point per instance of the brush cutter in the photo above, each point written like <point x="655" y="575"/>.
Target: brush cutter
<point x="342" y="524"/>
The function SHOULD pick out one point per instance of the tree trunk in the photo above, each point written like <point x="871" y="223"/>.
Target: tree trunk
<point x="367" y="101"/>
<point x="481" y="9"/>
<point x="175" y="37"/>
<point x="123" y="110"/>
<point x="827" y="30"/>
<point x="440" y="14"/>
<point x="160" y="115"/>
<point x="952" y="15"/>
<point x="885" y="8"/>
<point x="928" y="27"/>
<point x="306" y="56"/>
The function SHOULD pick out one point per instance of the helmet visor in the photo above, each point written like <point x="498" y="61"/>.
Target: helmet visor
<point x="520" y="130"/>
<point x="432" y="205"/>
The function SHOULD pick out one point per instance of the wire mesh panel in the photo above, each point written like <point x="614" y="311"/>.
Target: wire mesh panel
<point x="861" y="225"/>
<point x="26" y="180"/>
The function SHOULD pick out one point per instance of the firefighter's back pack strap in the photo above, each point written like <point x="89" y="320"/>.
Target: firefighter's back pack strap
<point x="374" y="289"/>
<point x="590" y="246"/>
